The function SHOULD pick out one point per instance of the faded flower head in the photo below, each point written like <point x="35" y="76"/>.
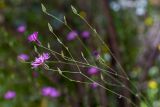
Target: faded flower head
<point x="92" y="71"/>
<point x="9" y="95"/>
<point x="35" y="74"/>
<point x="33" y="37"/>
<point x="85" y="34"/>
<point x="96" y="54"/>
<point x="72" y="35"/>
<point x="23" y="57"/>
<point x="40" y="60"/>
<point x="50" y="92"/>
<point x="21" y="28"/>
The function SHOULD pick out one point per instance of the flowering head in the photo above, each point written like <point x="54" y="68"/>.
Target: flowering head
<point x="45" y="56"/>
<point x="9" y="95"/>
<point x="40" y="60"/>
<point x="72" y="35"/>
<point x="50" y="92"/>
<point x="21" y="28"/>
<point x="85" y="34"/>
<point x="23" y="57"/>
<point x="33" y="37"/>
<point x="92" y="71"/>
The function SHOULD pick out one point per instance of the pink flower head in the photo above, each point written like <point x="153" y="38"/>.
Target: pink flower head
<point x="9" y="95"/>
<point x="33" y="37"/>
<point x="94" y="85"/>
<point x="50" y="92"/>
<point x="21" y="28"/>
<point x="72" y="35"/>
<point x="23" y="57"/>
<point x="85" y="34"/>
<point x="45" y="56"/>
<point x="40" y="60"/>
<point x="92" y="70"/>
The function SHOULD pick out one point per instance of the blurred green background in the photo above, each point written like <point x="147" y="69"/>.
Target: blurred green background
<point x="130" y="28"/>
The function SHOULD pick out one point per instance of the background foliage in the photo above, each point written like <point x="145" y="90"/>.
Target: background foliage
<point x="129" y="28"/>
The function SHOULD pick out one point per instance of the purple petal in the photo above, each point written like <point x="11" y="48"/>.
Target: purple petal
<point x="21" y="28"/>
<point x="45" y="56"/>
<point x="85" y="34"/>
<point x="46" y="91"/>
<point x="9" y="95"/>
<point x="23" y="57"/>
<point x="54" y="93"/>
<point x="50" y="92"/>
<point x="94" y="85"/>
<point x="92" y="71"/>
<point x="33" y="37"/>
<point x="40" y="60"/>
<point x="72" y="35"/>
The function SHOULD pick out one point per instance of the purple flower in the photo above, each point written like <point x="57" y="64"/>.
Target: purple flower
<point x="45" y="56"/>
<point x="72" y="35"/>
<point x="50" y="92"/>
<point x="21" y="28"/>
<point x="85" y="34"/>
<point x="94" y="85"/>
<point x="40" y="60"/>
<point x="92" y="70"/>
<point x="33" y="37"/>
<point x="9" y="95"/>
<point x="23" y="57"/>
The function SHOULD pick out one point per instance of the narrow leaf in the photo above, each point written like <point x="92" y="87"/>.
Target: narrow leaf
<point x="59" y="40"/>
<point x="102" y="77"/>
<point x="43" y="8"/>
<point x="65" y="21"/>
<point x="50" y="27"/>
<point x="62" y="54"/>
<point x="35" y="49"/>
<point x="46" y="66"/>
<point x="60" y="72"/>
<point x="82" y="54"/>
<point x="49" y="46"/>
<point x="74" y="9"/>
